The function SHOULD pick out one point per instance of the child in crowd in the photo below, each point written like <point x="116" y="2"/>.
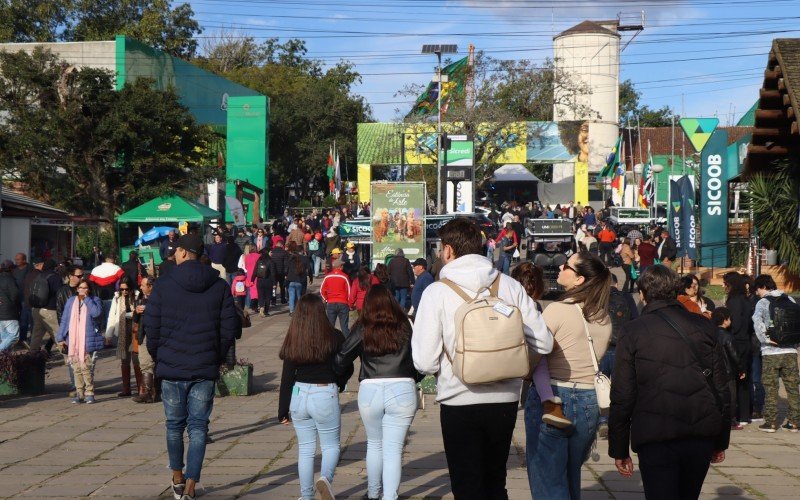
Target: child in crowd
<point x="721" y="316"/>
<point x="532" y="279"/>
<point x="239" y="287"/>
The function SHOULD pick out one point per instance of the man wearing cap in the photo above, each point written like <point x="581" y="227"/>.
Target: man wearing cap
<point x="191" y="322"/>
<point x="9" y="307"/>
<point x="351" y="261"/>
<point x="335" y="291"/>
<point x="423" y="279"/>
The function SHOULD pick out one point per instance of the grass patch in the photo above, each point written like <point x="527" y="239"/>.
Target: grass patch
<point x="714" y="292"/>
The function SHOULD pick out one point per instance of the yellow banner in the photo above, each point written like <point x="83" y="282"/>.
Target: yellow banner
<point x="364" y="179"/>
<point x="581" y="183"/>
<point x="510" y="140"/>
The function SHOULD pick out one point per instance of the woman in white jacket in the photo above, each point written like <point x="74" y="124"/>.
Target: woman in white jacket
<point x="120" y="325"/>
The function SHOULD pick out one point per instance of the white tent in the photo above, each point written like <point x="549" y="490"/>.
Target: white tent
<point x="514" y="172"/>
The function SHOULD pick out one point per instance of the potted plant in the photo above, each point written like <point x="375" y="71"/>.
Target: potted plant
<point x="236" y="380"/>
<point x="22" y="373"/>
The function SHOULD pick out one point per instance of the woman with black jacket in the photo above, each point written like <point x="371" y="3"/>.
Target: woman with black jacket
<point x="310" y="393"/>
<point x="264" y="274"/>
<point x="741" y="309"/>
<point x="387" y="395"/>
<point x="669" y="400"/>
<point x="297" y="272"/>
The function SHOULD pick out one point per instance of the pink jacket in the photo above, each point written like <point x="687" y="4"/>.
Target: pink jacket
<point x="250" y="266"/>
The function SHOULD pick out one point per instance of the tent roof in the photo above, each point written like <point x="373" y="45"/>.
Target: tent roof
<point x="169" y="208"/>
<point x="514" y="173"/>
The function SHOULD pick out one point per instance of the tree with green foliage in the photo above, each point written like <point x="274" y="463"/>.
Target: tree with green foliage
<point x="69" y="139"/>
<point x="310" y="108"/>
<point x="775" y="198"/>
<point x="153" y="22"/>
<point x="630" y="108"/>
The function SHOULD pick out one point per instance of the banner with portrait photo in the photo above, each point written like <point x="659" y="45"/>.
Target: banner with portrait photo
<point x="398" y="213"/>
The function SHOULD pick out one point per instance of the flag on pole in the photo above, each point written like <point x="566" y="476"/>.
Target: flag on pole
<point x="648" y="185"/>
<point x="456" y="82"/>
<point x="331" y="172"/>
<point x="613" y="159"/>
<point x="337" y="176"/>
<point x="618" y="183"/>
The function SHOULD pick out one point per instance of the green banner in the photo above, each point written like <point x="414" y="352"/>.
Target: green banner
<point x="714" y="201"/>
<point x="461" y="153"/>
<point x="398" y="213"/>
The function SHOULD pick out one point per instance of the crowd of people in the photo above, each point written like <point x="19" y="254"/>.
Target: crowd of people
<point x="684" y="374"/>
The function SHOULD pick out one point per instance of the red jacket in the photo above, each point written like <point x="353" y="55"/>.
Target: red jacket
<point x="357" y="294"/>
<point x="607" y="236"/>
<point x="335" y="287"/>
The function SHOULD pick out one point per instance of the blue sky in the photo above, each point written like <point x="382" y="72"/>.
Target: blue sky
<point x="701" y="57"/>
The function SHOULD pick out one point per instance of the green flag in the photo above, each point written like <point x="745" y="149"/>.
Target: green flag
<point x="613" y="160"/>
<point x="456" y="81"/>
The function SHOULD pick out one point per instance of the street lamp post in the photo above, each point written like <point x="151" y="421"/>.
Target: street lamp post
<point x="439" y="50"/>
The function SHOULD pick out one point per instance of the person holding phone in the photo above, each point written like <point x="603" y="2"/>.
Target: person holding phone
<point x="79" y="336"/>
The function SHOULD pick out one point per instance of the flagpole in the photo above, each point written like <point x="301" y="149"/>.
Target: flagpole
<point x="439" y="132"/>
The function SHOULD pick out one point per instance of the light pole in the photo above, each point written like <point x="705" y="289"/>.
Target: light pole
<point x="439" y="50"/>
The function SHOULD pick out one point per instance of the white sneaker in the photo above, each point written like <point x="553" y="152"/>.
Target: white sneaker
<point x="324" y="489"/>
<point x="744" y="423"/>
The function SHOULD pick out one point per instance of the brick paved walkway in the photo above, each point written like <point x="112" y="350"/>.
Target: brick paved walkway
<point x="51" y="448"/>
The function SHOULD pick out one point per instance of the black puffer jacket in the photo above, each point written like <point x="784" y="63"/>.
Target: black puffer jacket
<point x="191" y="322"/>
<point x="658" y="392"/>
<point x="281" y="259"/>
<point x="9" y="297"/>
<point x="395" y="365"/>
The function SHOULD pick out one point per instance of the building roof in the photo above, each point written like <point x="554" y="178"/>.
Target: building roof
<point x="661" y="140"/>
<point x="777" y="131"/>
<point x="379" y="143"/>
<point x="587" y="27"/>
<point x="18" y="205"/>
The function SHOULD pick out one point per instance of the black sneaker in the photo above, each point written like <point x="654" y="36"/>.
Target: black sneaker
<point x="765" y="427"/>
<point x="788" y="426"/>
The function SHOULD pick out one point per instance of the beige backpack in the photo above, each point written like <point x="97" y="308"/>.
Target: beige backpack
<point x="490" y="342"/>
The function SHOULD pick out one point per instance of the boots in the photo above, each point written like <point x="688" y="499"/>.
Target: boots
<point x="137" y="373"/>
<point x="126" y="380"/>
<point x="148" y="391"/>
<point x="553" y="414"/>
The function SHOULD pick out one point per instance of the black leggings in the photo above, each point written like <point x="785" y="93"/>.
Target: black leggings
<point x="264" y="287"/>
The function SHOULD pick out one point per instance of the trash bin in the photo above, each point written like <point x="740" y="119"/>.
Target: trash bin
<point x="772" y="257"/>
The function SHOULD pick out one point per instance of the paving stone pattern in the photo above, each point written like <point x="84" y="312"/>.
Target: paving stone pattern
<point x="51" y="448"/>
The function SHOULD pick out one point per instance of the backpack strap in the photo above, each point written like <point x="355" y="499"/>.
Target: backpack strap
<point x="494" y="288"/>
<point x="456" y="289"/>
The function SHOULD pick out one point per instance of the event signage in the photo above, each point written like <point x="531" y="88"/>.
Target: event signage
<point x="398" y="219"/>
<point x="688" y="223"/>
<point x="675" y="219"/>
<point x="714" y="201"/>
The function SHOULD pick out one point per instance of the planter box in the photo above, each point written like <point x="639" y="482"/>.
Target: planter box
<point x="428" y="385"/>
<point x="235" y="382"/>
<point x="31" y="383"/>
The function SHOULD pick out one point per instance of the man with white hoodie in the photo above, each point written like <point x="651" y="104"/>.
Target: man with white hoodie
<point x="477" y="420"/>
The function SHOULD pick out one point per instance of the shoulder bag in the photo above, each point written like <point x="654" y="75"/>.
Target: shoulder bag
<point x="602" y="384"/>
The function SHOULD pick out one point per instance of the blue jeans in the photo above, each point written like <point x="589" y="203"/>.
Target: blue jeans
<point x="315" y="411"/>
<point x="555" y="456"/>
<point x="341" y="311"/>
<point x="318" y="262"/>
<point x="295" y="291"/>
<point x="503" y="263"/>
<point x="9" y="334"/>
<point x="758" y="387"/>
<point x="401" y="295"/>
<point x="387" y="410"/>
<point x="187" y="406"/>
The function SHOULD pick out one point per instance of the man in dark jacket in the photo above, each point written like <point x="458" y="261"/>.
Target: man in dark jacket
<point x="401" y="276"/>
<point x="669" y="400"/>
<point x="191" y="323"/>
<point x="9" y="307"/>
<point x="20" y="273"/>
<point x="280" y="257"/>
<point x="422" y="279"/>
<point x="667" y="250"/>
<point x="167" y="246"/>
<point x="44" y="317"/>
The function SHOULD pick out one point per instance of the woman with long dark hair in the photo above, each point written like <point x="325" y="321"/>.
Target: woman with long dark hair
<point x="361" y="285"/>
<point x="582" y="329"/>
<point x="120" y="325"/>
<point x="387" y="396"/>
<point x="309" y="392"/>
<point x="742" y="330"/>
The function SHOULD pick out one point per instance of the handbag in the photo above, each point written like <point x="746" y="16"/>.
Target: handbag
<point x="516" y="253"/>
<point x="602" y="384"/>
<point x="634" y="272"/>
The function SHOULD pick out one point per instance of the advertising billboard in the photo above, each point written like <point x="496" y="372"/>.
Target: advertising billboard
<point x="398" y="212"/>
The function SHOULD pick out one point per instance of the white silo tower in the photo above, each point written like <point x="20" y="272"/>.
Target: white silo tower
<point x="589" y="54"/>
